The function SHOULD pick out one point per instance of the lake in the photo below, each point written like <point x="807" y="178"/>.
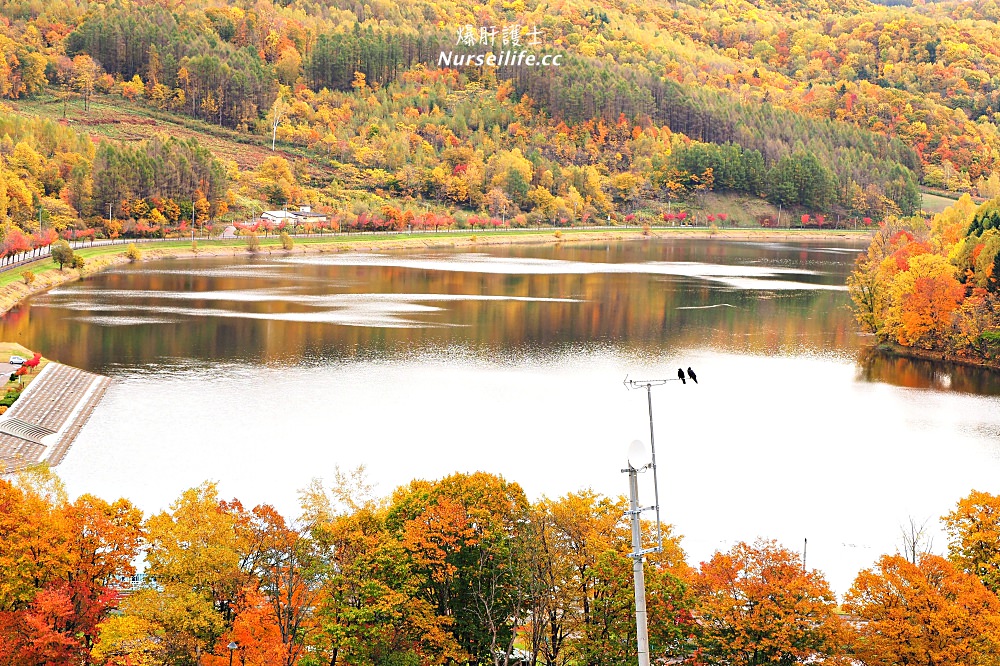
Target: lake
<point x="264" y="372"/>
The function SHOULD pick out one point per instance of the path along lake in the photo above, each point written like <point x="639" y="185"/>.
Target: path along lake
<point x="262" y="373"/>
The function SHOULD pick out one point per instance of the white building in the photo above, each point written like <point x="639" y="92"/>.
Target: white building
<point x="304" y="215"/>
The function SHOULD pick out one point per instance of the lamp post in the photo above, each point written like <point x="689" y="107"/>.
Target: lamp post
<point x="233" y="647"/>
<point x="637" y="462"/>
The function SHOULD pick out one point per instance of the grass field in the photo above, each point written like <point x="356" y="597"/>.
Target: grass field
<point x="108" y="118"/>
<point x="934" y="203"/>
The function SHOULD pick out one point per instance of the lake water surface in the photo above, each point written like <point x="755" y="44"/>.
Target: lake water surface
<point x="262" y="373"/>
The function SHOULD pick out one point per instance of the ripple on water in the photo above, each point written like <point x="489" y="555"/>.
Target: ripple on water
<point x="476" y="263"/>
<point x="367" y="310"/>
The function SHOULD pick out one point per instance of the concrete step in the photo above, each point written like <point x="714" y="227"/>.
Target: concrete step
<point x="25" y="430"/>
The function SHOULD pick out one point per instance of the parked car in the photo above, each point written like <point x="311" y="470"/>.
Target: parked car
<point x="16" y="360"/>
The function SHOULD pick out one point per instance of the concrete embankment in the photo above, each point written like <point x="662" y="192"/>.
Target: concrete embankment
<point x="41" y="426"/>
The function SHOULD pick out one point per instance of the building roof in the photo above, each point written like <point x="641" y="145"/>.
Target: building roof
<point x="290" y="214"/>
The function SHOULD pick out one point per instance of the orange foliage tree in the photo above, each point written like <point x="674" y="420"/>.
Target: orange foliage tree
<point x="758" y="606"/>
<point x="928" y="613"/>
<point x="59" y="562"/>
<point x="289" y="568"/>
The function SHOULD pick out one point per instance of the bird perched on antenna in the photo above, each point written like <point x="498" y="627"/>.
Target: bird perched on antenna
<point x="680" y="376"/>
<point x="693" y="377"/>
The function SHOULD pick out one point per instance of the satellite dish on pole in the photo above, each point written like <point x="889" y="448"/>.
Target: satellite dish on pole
<point x="638" y="454"/>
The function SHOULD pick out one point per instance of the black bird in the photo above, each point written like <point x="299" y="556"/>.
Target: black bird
<point x="692" y="376"/>
<point x="680" y="376"/>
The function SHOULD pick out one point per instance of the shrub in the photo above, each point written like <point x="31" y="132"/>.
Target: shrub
<point x="28" y="277"/>
<point x="194" y="246"/>
<point x="253" y="243"/>
<point x="286" y="241"/>
<point x="646" y="230"/>
<point x="558" y="234"/>
<point x="78" y="261"/>
<point x="133" y="253"/>
<point x="713" y="229"/>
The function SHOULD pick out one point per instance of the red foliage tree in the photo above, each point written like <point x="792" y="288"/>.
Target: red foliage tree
<point x="15" y="242"/>
<point x="33" y="361"/>
<point x="43" y="238"/>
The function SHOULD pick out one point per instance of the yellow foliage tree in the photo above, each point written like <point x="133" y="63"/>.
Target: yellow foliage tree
<point x="973" y="530"/>
<point x="85" y="74"/>
<point x="127" y="640"/>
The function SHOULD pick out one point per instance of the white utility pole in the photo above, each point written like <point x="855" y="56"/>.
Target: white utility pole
<point x="636" y="456"/>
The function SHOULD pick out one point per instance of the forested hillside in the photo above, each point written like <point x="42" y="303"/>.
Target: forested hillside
<point x="830" y="109"/>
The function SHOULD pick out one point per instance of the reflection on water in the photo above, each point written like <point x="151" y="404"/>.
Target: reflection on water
<point x="262" y="373"/>
<point x="758" y="298"/>
<point x="512" y="300"/>
<point x="469" y="262"/>
<point x="875" y="365"/>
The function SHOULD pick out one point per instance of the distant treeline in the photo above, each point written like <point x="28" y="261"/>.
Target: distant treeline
<point x="164" y="49"/>
<point x="851" y="159"/>
<point x="155" y="169"/>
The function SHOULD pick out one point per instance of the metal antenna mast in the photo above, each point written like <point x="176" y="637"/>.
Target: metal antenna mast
<point x="648" y="384"/>
<point x="638" y="575"/>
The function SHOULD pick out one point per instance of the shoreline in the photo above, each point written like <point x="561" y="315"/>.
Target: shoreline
<point x="104" y="257"/>
<point x="898" y="350"/>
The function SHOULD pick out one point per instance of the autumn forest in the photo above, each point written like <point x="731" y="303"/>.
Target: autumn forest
<point x="460" y="570"/>
<point x="832" y="112"/>
<point x="179" y="118"/>
<point x="933" y="286"/>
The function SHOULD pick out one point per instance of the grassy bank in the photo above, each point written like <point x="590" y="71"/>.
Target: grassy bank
<point x="13" y="288"/>
<point x="15" y="387"/>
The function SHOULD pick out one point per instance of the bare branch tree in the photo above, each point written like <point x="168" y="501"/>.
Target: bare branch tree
<point x="916" y="541"/>
<point x="278" y="111"/>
